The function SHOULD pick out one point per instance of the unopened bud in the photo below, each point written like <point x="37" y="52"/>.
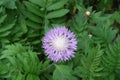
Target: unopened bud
<point x="87" y="13"/>
<point x="90" y="35"/>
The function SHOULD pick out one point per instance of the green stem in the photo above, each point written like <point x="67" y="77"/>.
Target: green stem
<point x="45" y="19"/>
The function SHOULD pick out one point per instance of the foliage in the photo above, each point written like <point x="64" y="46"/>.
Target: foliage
<point x="90" y="68"/>
<point x="23" y="61"/>
<point x="63" y="72"/>
<point x="111" y="60"/>
<point x="23" y="24"/>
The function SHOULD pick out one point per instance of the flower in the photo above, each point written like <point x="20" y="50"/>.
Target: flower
<point x="59" y="44"/>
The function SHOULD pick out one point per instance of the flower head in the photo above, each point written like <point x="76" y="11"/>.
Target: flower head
<point x="59" y="44"/>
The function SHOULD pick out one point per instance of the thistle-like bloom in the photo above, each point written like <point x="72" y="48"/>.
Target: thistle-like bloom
<point x="59" y="44"/>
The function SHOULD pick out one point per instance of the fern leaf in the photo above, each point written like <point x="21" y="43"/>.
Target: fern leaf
<point x="38" y="2"/>
<point x="111" y="59"/>
<point x="22" y="60"/>
<point x="34" y="9"/>
<point x="56" y="14"/>
<point x="57" y="5"/>
<point x="2" y="19"/>
<point x="7" y="27"/>
<point x="33" y="17"/>
<point x="90" y="67"/>
<point x="33" y="24"/>
<point x="5" y="34"/>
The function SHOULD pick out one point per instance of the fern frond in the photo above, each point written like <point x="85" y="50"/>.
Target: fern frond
<point x="111" y="60"/>
<point x="5" y="25"/>
<point x="91" y="68"/>
<point x="103" y="34"/>
<point x="22" y="60"/>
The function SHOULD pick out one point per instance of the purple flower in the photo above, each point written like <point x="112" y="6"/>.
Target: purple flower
<point x="59" y="44"/>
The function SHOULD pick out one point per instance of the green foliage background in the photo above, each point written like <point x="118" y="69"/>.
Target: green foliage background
<point x="23" y="23"/>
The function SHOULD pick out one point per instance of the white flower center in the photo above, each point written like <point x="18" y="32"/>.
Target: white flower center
<point x="60" y="43"/>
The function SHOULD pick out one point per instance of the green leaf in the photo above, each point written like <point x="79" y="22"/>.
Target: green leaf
<point x="57" y="5"/>
<point x="33" y="24"/>
<point x="3" y="18"/>
<point x="5" y="40"/>
<point x="33" y="8"/>
<point x="5" y="34"/>
<point x="1" y="9"/>
<point x="38" y="2"/>
<point x="11" y="60"/>
<point x="116" y="16"/>
<point x="111" y="59"/>
<point x="19" y="77"/>
<point x="63" y="72"/>
<point x="4" y="70"/>
<point x="33" y="17"/>
<point x="9" y="3"/>
<point x="7" y="26"/>
<point x="22" y="59"/>
<point x="58" y="13"/>
<point x="23" y="24"/>
<point x="34" y="35"/>
<point x="36" y="42"/>
<point x="32" y="77"/>
<point x="90" y="67"/>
